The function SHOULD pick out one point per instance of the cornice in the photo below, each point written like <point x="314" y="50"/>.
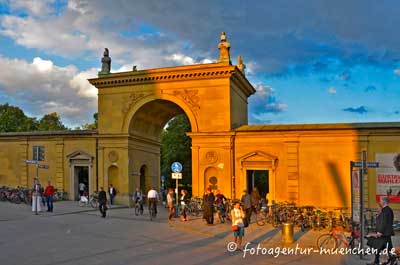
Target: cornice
<point x="161" y="75"/>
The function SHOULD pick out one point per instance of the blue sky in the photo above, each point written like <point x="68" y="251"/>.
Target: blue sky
<point x="311" y="61"/>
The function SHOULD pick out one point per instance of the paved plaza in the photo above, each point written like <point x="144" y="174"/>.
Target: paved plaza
<point x="74" y="235"/>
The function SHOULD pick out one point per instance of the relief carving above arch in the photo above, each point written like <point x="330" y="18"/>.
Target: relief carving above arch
<point x="131" y="100"/>
<point x="190" y="97"/>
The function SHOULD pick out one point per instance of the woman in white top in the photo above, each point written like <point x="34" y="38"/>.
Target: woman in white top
<point x="237" y="219"/>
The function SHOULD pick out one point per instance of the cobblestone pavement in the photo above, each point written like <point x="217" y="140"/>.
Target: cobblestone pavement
<point x="74" y="235"/>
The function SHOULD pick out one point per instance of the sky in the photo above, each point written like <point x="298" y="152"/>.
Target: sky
<point x="311" y="61"/>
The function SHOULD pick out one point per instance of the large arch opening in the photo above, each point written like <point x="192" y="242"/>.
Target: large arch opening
<point x="157" y="137"/>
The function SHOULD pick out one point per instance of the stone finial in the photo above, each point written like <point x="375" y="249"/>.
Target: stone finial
<point x="134" y="68"/>
<point x="224" y="49"/>
<point x="240" y="64"/>
<point x="105" y="63"/>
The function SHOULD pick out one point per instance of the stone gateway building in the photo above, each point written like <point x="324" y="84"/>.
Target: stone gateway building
<point x="308" y="164"/>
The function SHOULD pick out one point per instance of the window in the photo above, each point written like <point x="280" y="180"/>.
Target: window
<point x="38" y="153"/>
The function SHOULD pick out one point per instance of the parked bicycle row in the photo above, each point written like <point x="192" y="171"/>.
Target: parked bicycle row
<point x="24" y="195"/>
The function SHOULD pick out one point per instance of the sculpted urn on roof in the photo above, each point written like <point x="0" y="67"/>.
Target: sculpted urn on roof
<point x="224" y="47"/>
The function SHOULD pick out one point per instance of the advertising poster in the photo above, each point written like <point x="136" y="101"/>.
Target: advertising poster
<point x="388" y="176"/>
<point x="355" y="181"/>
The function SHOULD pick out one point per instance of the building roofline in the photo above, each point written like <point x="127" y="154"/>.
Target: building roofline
<point x="50" y="133"/>
<point x="319" y="126"/>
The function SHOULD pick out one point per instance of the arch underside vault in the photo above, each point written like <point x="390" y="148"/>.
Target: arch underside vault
<point x="149" y="121"/>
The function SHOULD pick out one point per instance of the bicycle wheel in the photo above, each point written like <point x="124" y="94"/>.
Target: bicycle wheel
<point x="137" y="208"/>
<point x="81" y="203"/>
<point x="260" y="219"/>
<point x="327" y="241"/>
<point x="94" y="204"/>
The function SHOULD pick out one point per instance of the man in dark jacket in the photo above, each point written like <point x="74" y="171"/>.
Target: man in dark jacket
<point x="102" y="202"/>
<point x="208" y="201"/>
<point x="384" y="228"/>
<point x="248" y="203"/>
<point x="112" y="192"/>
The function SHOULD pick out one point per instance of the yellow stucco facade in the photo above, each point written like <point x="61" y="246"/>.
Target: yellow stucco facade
<point x="307" y="164"/>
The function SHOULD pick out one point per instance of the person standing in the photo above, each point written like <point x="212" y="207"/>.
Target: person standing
<point x="208" y="201"/>
<point x="170" y="203"/>
<point x="102" y="202"/>
<point x="384" y="229"/>
<point x="184" y="200"/>
<point x="112" y="192"/>
<point x="237" y="215"/>
<point x="36" y="199"/>
<point x="248" y="205"/>
<point x="152" y="196"/>
<point x="49" y="193"/>
<point x="82" y="188"/>
<point x="256" y="195"/>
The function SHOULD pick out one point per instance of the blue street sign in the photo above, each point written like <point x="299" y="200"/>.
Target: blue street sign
<point x="31" y="161"/>
<point x="373" y="164"/>
<point x="369" y="164"/>
<point x="176" y="167"/>
<point x="43" y="166"/>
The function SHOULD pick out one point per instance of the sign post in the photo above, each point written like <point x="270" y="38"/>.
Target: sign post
<point x="363" y="165"/>
<point x="176" y="169"/>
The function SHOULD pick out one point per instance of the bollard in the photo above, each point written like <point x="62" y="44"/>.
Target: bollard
<point x="287" y="233"/>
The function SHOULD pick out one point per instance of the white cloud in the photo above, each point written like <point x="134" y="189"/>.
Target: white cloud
<point x="180" y="59"/>
<point x="263" y="91"/>
<point x="397" y="71"/>
<point x="50" y="107"/>
<point x="332" y="90"/>
<point x="80" y="83"/>
<point x="42" y="87"/>
<point x="43" y="65"/>
<point x="33" y="7"/>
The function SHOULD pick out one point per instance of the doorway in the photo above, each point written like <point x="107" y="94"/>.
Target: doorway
<point x="81" y="175"/>
<point x="258" y="179"/>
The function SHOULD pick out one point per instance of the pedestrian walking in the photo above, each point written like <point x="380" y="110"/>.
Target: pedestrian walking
<point x="384" y="231"/>
<point x="208" y="201"/>
<point x="170" y="204"/>
<point x="112" y="192"/>
<point x="184" y="201"/>
<point x="248" y="203"/>
<point x="82" y="188"/>
<point x="238" y="215"/>
<point x="49" y="193"/>
<point x="102" y="202"/>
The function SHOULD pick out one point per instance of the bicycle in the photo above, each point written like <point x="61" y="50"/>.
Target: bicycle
<point x="330" y="240"/>
<point x="138" y="208"/>
<point x="152" y="209"/>
<point x="92" y="201"/>
<point x="262" y="216"/>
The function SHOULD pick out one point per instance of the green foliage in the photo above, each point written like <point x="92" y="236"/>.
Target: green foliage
<point x="13" y="119"/>
<point x="175" y="147"/>
<point x="92" y="126"/>
<point x="51" y="122"/>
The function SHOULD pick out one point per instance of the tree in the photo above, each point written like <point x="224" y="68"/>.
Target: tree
<point x="13" y="119"/>
<point x="175" y="147"/>
<point x="51" y="122"/>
